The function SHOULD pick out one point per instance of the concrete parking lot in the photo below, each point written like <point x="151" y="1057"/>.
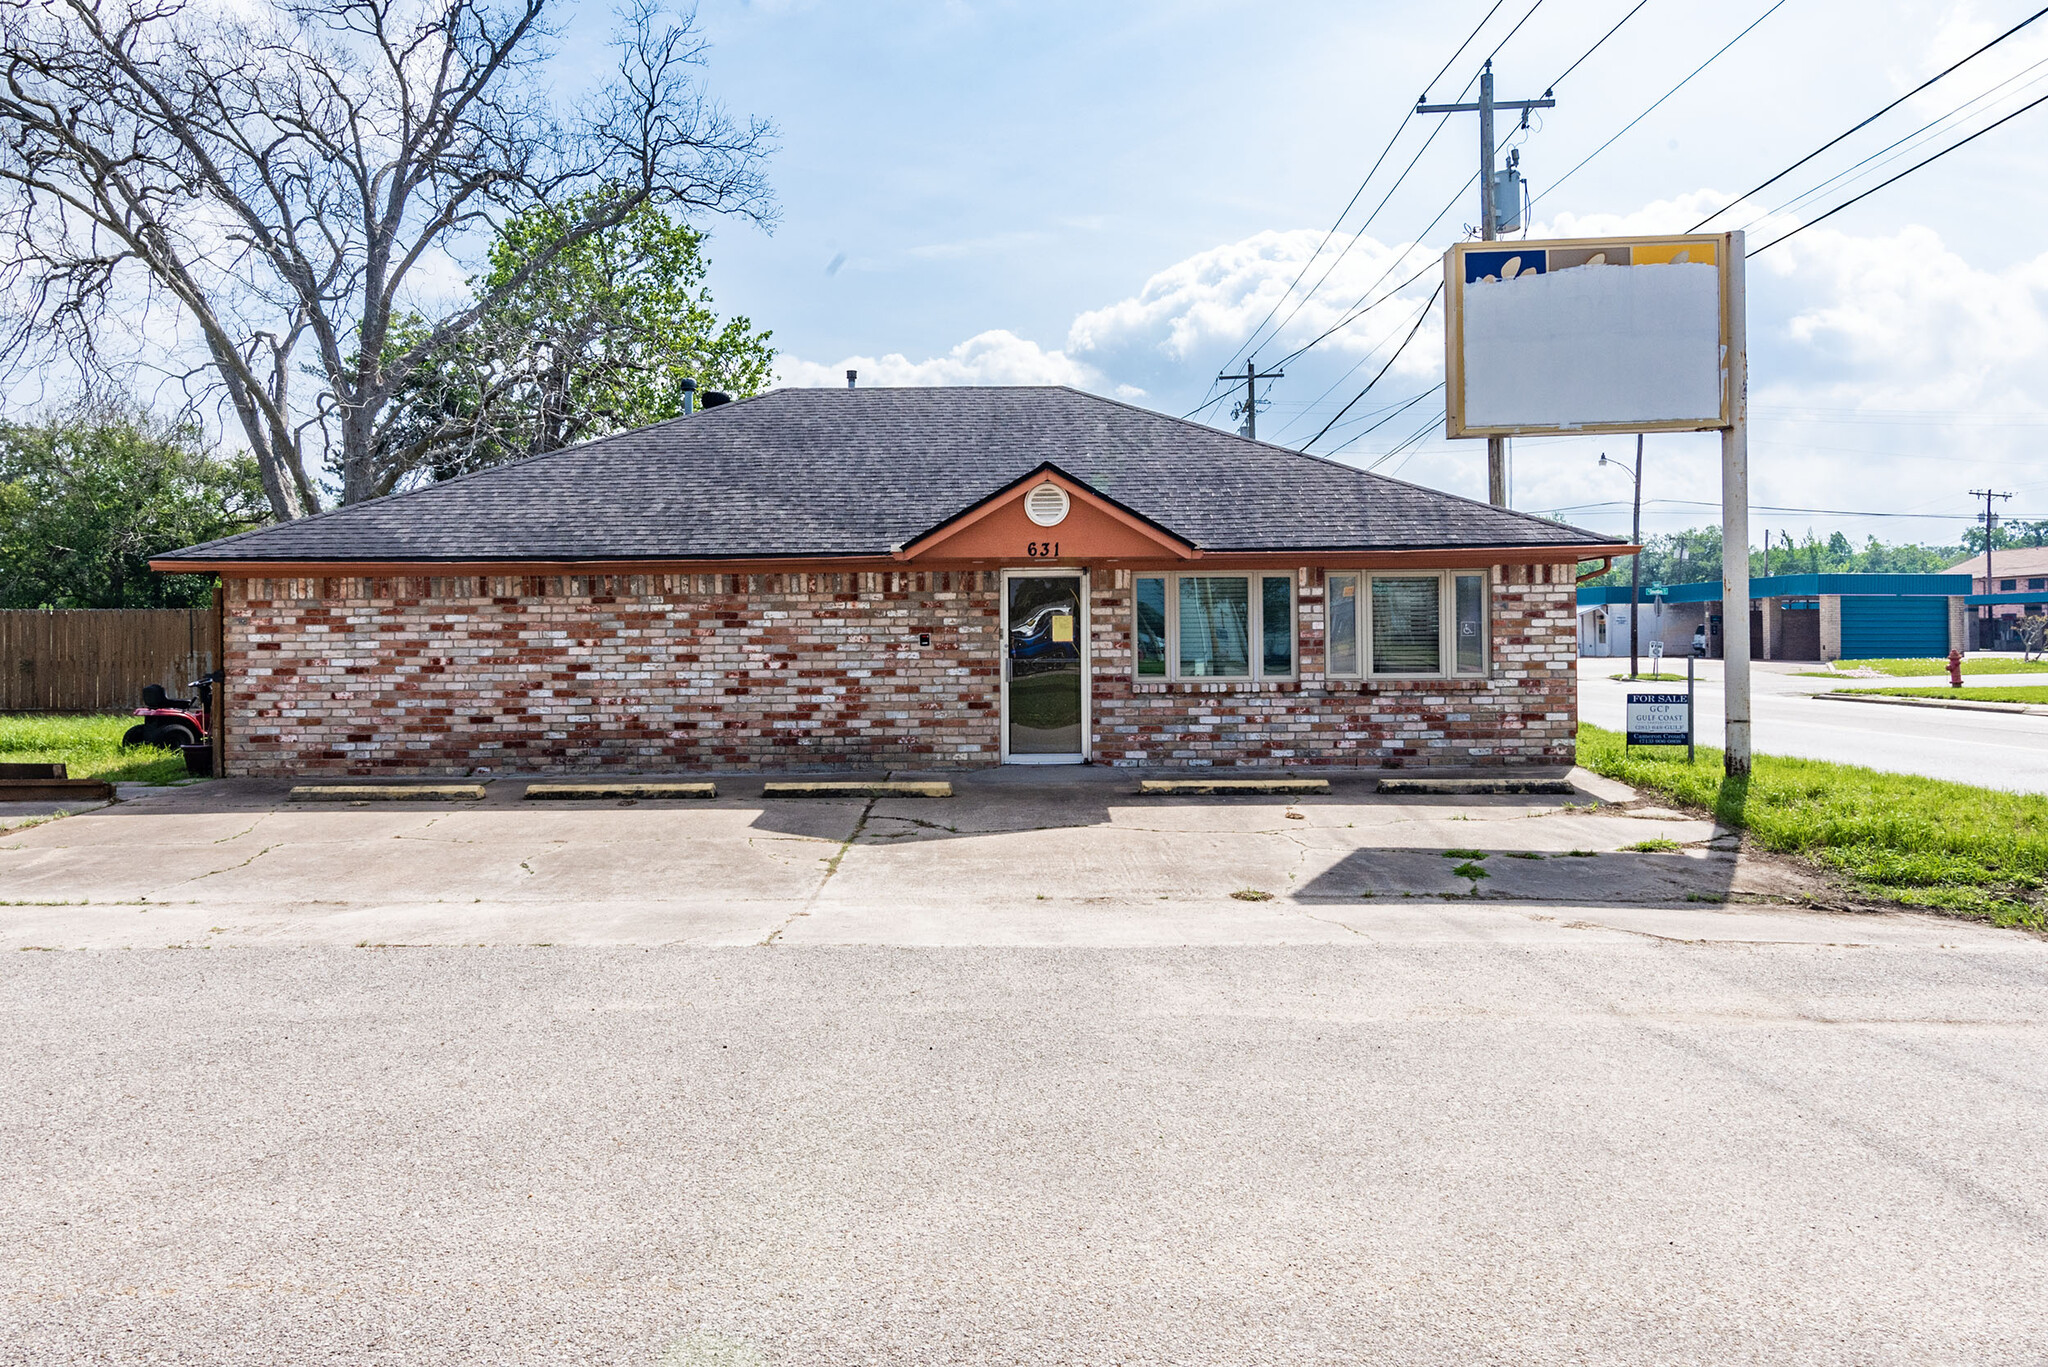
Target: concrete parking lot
<point x="1014" y="857"/>
<point x="752" y="1082"/>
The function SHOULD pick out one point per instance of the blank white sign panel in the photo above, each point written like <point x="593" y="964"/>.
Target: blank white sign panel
<point x="1550" y="341"/>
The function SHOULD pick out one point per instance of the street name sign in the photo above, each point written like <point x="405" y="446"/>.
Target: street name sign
<point x="1659" y="719"/>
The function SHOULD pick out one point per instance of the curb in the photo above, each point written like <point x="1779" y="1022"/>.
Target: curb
<point x="1954" y="704"/>
<point x="390" y="792"/>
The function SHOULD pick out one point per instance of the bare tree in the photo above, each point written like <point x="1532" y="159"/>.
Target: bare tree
<point x="2032" y="631"/>
<point x="293" y="182"/>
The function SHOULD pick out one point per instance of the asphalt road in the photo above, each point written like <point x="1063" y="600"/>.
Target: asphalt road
<point x="1626" y="1150"/>
<point x="1991" y="749"/>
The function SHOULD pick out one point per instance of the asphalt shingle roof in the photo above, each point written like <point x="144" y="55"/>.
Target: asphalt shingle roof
<point x="858" y="472"/>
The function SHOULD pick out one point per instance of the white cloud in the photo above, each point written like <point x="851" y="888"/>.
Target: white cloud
<point x="1195" y="310"/>
<point x="994" y="357"/>
<point x="1887" y="371"/>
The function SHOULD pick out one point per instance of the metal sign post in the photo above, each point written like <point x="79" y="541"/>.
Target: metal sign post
<point x="1688" y="710"/>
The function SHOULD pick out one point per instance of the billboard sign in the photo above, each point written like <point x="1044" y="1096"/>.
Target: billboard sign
<point x="1659" y="719"/>
<point x="1587" y="335"/>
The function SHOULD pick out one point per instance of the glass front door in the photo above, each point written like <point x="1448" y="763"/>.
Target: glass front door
<point x="1044" y="668"/>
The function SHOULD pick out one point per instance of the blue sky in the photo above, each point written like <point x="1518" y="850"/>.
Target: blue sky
<point x="1111" y="195"/>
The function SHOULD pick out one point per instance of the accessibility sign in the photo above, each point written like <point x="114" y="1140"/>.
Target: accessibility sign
<point x="1659" y="719"/>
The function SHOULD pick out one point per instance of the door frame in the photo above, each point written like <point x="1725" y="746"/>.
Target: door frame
<point x="1078" y="573"/>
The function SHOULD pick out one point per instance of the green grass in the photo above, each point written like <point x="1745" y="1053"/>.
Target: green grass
<point x="1464" y="854"/>
<point x="1649" y="678"/>
<point x="1917" y="841"/>
<point x="1471" y="870"/>
<point x="1907" y="669"/>
<point x="2033" y="693"/>
<point x="89" y="745"/>
<point x="1654" y="845"/>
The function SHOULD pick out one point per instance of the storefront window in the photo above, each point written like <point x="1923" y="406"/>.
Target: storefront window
<point x="1433" y="623"/>
<point x="1151" y="629"/>
<point x="1276" y="617"/>
<point x="1471" y="623"/>
<point x="1407" y="625"/>
<point x="1340" y="596"/>
<point x="1215" y="627"/>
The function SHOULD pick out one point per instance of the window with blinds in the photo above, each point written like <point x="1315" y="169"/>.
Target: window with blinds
<point x="1405" y="624"/>
<point x="1214" y="626"/>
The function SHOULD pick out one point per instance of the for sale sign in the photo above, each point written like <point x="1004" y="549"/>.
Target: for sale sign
<point x="1659" y="718"/>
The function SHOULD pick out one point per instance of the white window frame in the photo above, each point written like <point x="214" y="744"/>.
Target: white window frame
<point x="1255" y="645"/>
<point x="1447" y="622"/>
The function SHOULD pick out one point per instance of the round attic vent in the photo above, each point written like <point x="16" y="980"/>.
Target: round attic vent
<point x="1046" y="505"/>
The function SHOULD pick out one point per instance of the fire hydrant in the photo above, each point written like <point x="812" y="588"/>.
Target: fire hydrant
<point x="1955" y="669"/>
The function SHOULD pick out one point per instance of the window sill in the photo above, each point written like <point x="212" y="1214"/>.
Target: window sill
<point x="1216" y="685"/>
<point x="1379" y="683"/>
<point x="1372" y="681"/>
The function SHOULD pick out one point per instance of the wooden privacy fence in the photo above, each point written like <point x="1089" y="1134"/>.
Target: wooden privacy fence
<point x="98" y="659"/>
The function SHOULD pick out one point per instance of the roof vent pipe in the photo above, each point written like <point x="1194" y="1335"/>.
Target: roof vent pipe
<point x="851" y="376"/>
<point x="689" y="396"/>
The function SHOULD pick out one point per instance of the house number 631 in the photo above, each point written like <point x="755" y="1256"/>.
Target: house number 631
<point x="1043" y="550"/>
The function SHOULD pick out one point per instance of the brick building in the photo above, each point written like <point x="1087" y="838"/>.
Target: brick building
<point x="901" y="578"/>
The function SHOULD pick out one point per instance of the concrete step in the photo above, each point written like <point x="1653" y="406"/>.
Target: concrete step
<point x="1218" y="787"/>
<point x="599" y="792"/>
<point x="858" y="788"/>
<point x="1468" y="787"/>
<point x="389" y="792"/>
<point x="55" y="789"/>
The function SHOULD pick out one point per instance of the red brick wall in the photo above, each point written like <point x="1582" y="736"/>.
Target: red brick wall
<point x="1525" y="712"/>
<point x="663" y="672"/>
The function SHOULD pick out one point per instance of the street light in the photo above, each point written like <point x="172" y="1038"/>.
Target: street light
<point x="1635" y="573"/>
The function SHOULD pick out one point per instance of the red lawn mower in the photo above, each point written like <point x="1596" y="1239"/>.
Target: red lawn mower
<point x="171" y="722"/>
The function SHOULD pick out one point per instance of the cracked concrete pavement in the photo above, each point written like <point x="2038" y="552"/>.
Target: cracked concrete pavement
<point x="1014" y="858"/>
<point x="1011" y="1078"/>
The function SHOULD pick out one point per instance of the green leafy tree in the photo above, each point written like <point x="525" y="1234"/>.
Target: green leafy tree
<point x="88" y="496"/>
<point x="1694" y="557"/>
<point x="588" y="341"/>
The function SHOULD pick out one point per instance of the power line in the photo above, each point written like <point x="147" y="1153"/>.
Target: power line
<point x="1921" y="135"/>
<point x="1504" y="42"/>
<point x="1779" y="4"/>
<point x="1769" y="508"/>
<point x="1369" y="219"/>
<point x="1383" y="369"/>
<point x="1873" y="118"/>
<point x="1410" y="444"/>
<point x="1900" y="176"/>
<point x="1406" y="116"/>
<point x="1597" y="42"/>
<point x="1361" y="308"/>
<point x="1398" y="410"/>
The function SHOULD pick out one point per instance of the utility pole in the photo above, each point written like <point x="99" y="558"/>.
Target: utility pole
<point x="1990" y="535"/>
<point x="1489" y="228"/>
<point x="1250" y="407"/>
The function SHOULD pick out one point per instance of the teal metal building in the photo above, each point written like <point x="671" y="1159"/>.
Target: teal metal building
<point x="1791" y="617"/>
